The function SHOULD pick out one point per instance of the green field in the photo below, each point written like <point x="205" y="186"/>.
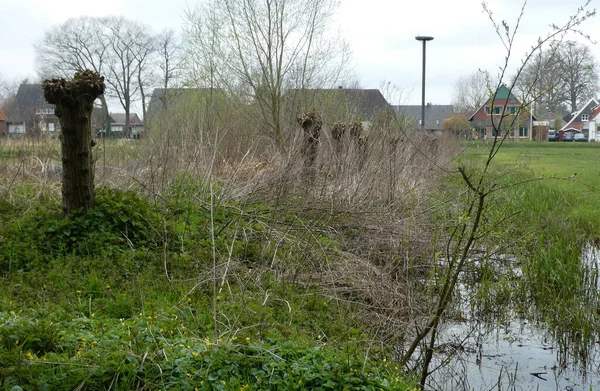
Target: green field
<point x="570" y="172"/>
<point x="560" y="160"/>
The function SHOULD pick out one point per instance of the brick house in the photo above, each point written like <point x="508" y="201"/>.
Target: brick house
<point x="3" y="124"/>
<point x="507" y="107"/>
<point x="32" y="115"/>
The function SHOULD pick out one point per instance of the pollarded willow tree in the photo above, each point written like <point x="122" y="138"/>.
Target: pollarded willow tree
<point x="74" y="100"/>
<point x="259" y="48"/>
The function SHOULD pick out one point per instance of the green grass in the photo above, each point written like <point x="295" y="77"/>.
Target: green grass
<point x="125" y="298"/>
<point x="551" y="217"/>
<point x="556" y="165"/>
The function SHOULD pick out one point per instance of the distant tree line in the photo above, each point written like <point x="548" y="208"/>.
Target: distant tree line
<point x="254" y="50"/>
<point x="562" y="77"/>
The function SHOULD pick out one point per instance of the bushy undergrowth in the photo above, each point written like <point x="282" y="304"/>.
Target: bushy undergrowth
<point x="190" y="291"/>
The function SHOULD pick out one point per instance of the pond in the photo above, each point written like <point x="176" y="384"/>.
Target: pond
<point x="512" y="353"/>
<point x="516" y="356"/>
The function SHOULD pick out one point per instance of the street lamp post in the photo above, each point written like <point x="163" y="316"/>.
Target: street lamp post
<point x="423" y="39"/>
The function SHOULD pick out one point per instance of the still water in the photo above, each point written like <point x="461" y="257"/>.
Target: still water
<point x="516" y="355"/>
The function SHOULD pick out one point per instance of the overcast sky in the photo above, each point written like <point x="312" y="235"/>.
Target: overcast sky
<point x="381" y="34"/>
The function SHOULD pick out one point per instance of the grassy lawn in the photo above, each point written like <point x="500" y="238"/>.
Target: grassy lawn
<point x="572" y="171"/>
<point x="559" y="160"/>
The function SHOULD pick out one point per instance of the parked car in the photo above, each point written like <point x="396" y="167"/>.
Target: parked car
<point x="580" y="137"/>
<point x="568" y="136"/>
<point x="552" y="135"/>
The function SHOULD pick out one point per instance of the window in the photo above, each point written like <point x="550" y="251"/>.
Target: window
<point x="523" y="131"/>
<point x="584" y="117"/>
<point x="46" y="111"/>
<point x="487" y="109"/>
<point x="497" y="110"/>
<point x="512" y="109"/>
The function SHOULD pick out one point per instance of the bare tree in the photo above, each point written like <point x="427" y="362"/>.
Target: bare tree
<point x="259" y="48"/>
<point x="470" y="92"/>
<point x="561" y="78"/>
<point x="128" y="56"/>
<point x="169" y="57"/>
<point x="8" y="92"/>
<point x="113" y="46"/>
<point x="75" y="45"/>
<point x="579" y="74"/>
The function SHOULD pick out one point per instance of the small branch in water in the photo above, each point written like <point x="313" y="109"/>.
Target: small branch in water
<point x="539" y="375"/>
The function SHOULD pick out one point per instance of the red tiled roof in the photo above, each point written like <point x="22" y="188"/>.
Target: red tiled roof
<point x="2" y="116"/>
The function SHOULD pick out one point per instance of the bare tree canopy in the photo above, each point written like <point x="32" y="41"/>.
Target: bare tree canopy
<point x="470" y="92"/>
<point x="560" y="78"/>
<point x="128" y="56"/>
<point x="259" y="48"/>
<point x="117" y="47"/>
<point x="579" y="74"/>
<point x="8" y="92"/>
<point x="169" y="58"/>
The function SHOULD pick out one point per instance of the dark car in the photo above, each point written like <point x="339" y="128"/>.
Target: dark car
<point x="580" y="137"/>
<point x="552" y="135"/>
<point x="568" y="136"/>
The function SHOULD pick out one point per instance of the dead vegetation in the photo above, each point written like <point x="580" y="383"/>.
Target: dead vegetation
<point x="370" y="191"/>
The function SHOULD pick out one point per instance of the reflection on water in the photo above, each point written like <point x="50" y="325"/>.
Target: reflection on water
<point x="517" y="355"/>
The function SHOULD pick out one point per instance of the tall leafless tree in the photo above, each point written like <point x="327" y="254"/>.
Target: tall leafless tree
<point x="259" y="48"/>
<point x="470" y="92"/>
<point x="116" y="47"/>
<point x="169" y="57"/>
<point x="75" y="45"/>
<point x="561" y="78"/>
<point x="579" y="74"/>
<point x="128" y="57"/>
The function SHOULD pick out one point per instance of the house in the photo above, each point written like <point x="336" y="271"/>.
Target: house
<point x="594" y="125"/>
<point x="32" y="114"/>
<point x="337" y="104"/>
<point x="3" y="124"/>
<point x="434" y="115"/>
<point x="584" y="120"/>
<point x="504" y="105"/>
<point x="118" y="124"/>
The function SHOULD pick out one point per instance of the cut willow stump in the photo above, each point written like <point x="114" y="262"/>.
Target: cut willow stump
<point x="311" y="124"/>
<point x="74" y="100"/>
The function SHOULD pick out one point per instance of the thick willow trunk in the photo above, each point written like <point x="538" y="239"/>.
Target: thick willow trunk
<point x="312" y="124"/>
<point x="74" y="104"/>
